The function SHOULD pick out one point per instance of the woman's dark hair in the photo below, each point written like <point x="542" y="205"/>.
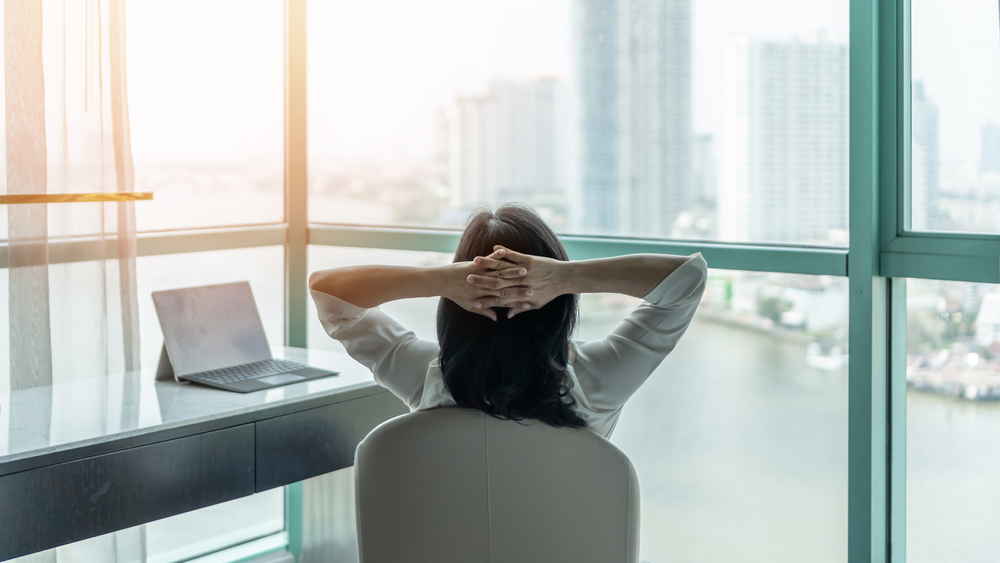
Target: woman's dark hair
<point x="510" y="368"/>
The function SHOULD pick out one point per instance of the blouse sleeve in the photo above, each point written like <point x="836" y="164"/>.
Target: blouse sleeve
<point x="610" y="370"/>
<point x="396" y="357"/>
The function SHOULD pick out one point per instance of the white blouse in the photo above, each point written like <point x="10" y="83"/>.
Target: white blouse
<point x="601" y="375"/>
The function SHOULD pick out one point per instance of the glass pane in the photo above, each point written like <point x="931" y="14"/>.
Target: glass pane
<point x="178" y="538"/>
<point x="202" y="531"/>
<point x="418" y="315"/>
<point x="4" y="342"/>
<point x="263" y="267"/>
<point x="955" y="138"/>
<point x="705" y="119"/>
<point x="749" y="445"/>
<point x="195" y="533"/>
<point x="206" y="106"/>
<point x="123" y="545"/>
<point x="952" y="421"/>
<point x="742" y="455"/>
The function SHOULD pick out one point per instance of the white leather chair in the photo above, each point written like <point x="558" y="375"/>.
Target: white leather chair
<point x="456" y="485"/>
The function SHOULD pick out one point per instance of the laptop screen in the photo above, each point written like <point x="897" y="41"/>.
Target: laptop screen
<point x="211" y="327"/>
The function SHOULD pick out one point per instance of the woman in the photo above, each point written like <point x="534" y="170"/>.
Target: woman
<point x="507" y="311"/>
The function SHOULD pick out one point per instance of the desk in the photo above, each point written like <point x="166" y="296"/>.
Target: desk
<point x="89" y="457"/>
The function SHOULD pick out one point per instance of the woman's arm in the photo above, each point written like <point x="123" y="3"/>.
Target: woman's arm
<point x="635" y="275"/>
<point x="371" y="286"/>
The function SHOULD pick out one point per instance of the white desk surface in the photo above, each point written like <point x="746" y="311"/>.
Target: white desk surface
<point x="89" y="412"/>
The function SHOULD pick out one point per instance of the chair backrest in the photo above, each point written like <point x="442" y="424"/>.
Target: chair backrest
<point x="456" y="485"/>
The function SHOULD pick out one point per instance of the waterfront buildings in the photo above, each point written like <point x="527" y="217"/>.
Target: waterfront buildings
<point x="988" y="322"/>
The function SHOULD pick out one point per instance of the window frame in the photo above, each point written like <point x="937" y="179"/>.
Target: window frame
<point x="882" y="252"/>
<point x="905" y="252"/>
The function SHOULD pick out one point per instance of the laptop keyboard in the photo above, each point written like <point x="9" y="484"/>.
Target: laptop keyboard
<point x="253" y="370"/>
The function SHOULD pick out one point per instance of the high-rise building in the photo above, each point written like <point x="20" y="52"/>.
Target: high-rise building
<point x="925" y="190"/>
<point x="508" y="145"/>
<point x="632" y="118"/>
<point x="783" y="174"/>
<point x="989" y="158"/>
<point x="440" y="165"/>
<point x="704" y="170"/>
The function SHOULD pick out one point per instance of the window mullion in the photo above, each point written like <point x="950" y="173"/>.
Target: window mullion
<point x="296" y="174"/>
<point x="867" y="522"/>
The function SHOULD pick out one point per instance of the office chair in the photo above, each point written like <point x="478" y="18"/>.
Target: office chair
<point x="456" y="485"/>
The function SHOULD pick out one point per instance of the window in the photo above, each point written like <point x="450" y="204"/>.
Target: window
<point x="205" y="105"/>
<point x="720" y="122"/>
<point x="955" y="121"/>
<point x="196" y="533"/>
<point x="742" y="432"/>
<point x="953" y="383"/>
<point x="749" y="444"/>
<point x="417" y="315"/>
<point x="209" y="529"/>
<point x="4" y="342"/>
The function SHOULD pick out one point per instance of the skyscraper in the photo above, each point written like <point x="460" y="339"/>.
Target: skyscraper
<point x="924" y="179"/>
<point x="704" y="170"/>
<point x="632" y="115"/>
<point x="784" y="150"/>
<point x="508" y="144"/>
<point x="989" y="158"/>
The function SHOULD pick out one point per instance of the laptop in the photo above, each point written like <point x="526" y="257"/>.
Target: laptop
<point x="212" y="335"/>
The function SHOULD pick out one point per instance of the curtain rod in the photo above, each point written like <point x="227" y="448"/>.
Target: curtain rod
<point x="11" y="199"/>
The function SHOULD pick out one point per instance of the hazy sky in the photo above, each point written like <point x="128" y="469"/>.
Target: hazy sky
<point x="956" y="53"/>
<point x="205" y="76"/>
<point x="205" y="79"/>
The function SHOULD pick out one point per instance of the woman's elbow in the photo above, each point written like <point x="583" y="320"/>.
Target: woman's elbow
<point x="314" y="279"/>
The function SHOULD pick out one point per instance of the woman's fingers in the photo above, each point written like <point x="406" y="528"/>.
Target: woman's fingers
<point x="488" y="262"/>
<point x="509" y="255"/>
<point x="501" y="268"/>
<point x="493" y="282"/>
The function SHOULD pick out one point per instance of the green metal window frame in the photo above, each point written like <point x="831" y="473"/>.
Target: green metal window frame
<point x="883" y="251"/>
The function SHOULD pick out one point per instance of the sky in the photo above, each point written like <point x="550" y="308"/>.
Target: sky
<point x="379" y="69"/>
<point x="956" y="53"/>
<point x="205" y="76"/>
<point x="205" y="79"/>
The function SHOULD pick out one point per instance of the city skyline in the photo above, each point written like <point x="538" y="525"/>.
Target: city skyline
<point x="391" y="90"/>
<point x="784" y="151"/>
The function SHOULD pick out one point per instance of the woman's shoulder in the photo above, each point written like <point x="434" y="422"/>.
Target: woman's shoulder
<point x="434" y="394"/>
<point x="600" y="420"/>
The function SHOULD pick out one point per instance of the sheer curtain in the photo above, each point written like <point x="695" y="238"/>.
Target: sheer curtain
<point x="72" y="314"/>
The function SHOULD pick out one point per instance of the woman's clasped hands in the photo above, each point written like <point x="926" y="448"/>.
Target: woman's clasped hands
<point x="516" y="281"/>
